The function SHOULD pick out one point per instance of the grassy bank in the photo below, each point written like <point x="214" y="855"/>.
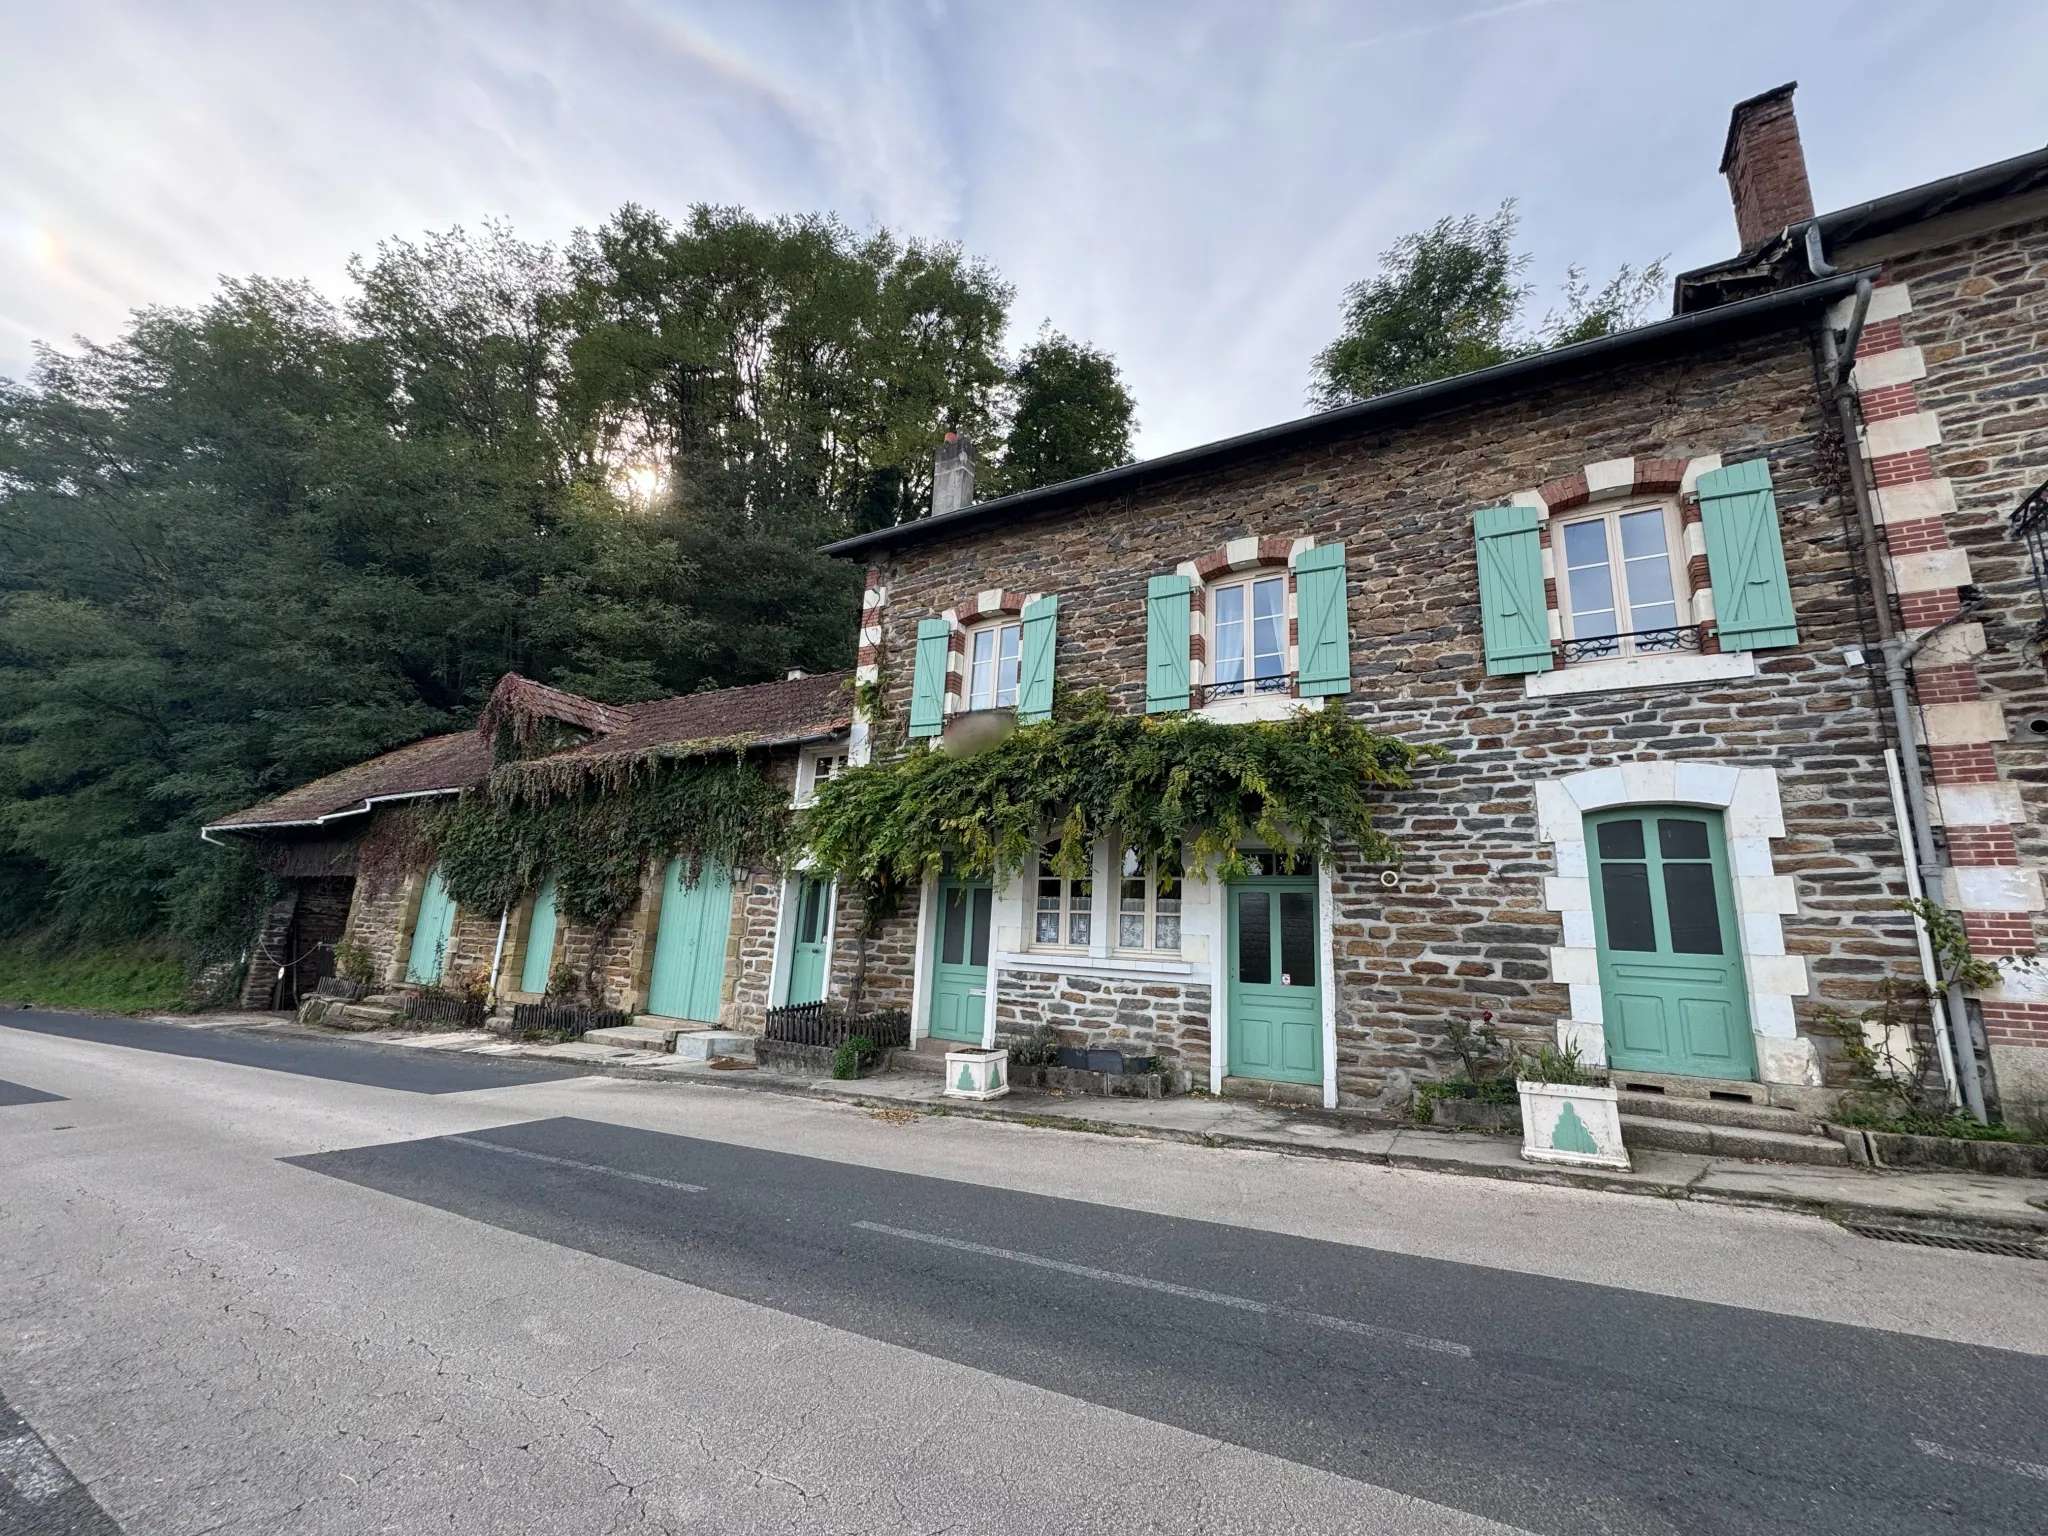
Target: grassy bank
<point x="120" y="978"/>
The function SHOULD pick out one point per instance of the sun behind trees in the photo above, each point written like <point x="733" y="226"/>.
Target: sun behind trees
<point x="250" y="543"/>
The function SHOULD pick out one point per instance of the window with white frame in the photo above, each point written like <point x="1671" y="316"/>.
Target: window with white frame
<point x="1062" y="913"/>
<point x="1622" y="590"/>
<point x="992" y="658"/>
<point x="1248" y="631"/>
<point x="821" y="768"/>
<point x="1148" y="903"/>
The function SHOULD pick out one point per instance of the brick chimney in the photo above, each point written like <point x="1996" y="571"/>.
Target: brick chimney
<point x="953" y="475"/>
<point x="1766" y="166"/>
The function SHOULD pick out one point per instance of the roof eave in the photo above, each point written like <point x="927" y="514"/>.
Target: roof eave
<point x="1645" y="340"/>
<point x="359" y="808"/>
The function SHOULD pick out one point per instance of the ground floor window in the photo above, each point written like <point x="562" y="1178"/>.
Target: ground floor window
<point x="1148" y="902"/>
<point x="1062" y="915"/>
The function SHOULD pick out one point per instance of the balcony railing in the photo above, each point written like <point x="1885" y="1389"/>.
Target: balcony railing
<point x="1281" y="686"/>
<point x="1644" y="642"/>
<point x="2030" y="527"/>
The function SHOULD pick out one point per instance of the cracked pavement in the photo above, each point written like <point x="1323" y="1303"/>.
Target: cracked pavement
<point x="214" y="1340"/>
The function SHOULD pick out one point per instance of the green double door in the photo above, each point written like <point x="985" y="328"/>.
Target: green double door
<point x="688" y="976"/>
<point x="960" y="939"/>
<point x="1275" y="993"/>
<point x="807" y="941"/>
<point x="1671" y="983"/>
<point x="431" y="930"/>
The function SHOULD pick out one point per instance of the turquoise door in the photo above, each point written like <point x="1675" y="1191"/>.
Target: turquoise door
<point x="428" y="956"/>
<point x="688" y="978"/>
<point x="960" y="960"/>
<point x="1671" y="984"/>
<point x="540" y="940"/>
<point x="1276" y="996"/>
<point x="807" y="944"/>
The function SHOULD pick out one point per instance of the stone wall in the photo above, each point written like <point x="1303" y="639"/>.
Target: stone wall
<point x="1172" y="1019"/>
<point x="1466" y="931"/>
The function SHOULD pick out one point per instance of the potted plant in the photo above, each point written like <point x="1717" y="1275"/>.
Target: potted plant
<point x="1569" y="1113"/>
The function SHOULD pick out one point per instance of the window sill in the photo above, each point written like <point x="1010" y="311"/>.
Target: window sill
<point x="1675" y="671"/>
<point x="1259" y="706"/>
<point x="1076" y="963"/>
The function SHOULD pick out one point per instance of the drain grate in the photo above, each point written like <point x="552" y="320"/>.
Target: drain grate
<point x="2008" y="1247"/>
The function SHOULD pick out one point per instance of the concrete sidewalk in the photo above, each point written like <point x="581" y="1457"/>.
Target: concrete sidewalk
<point x="1932" y="1201"/>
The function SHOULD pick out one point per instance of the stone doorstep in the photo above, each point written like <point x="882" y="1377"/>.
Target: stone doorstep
<point x="1817" y="1102"/>
<point x="1265" y="1092"/>
<point x="1718" y="1112"/>
<point x="1675" y="1135"/>
<point x="634" y="1037"/>
<point x="703" y="1044"/>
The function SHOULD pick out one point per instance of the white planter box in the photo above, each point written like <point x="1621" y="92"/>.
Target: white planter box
<point x="977" y="1074"/>
<point x="1569" y="1123"/>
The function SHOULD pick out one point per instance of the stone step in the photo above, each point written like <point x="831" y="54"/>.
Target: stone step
<point x="1731" y="1141"/>
<point x="635" y="1037"/>
<point x="703" y="1044"/>
<point x="363" y="1015"/>
<point x="928" y="1055"/>
<point x="1753" y="1117"/>
<point x="1725" y="1090"/>
<point x="1273" y="1093"/>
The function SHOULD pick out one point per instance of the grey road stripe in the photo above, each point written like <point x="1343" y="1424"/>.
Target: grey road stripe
<point x="1193" y="1293"/>
<point x="1980" y="1459"/>
<point x="570" y="1162"/>
<point x="27" y="1464"/>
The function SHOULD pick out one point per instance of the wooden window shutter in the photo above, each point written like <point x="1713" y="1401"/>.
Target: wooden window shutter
<point x="1166" y="644"/>
<point x="1034" y="678"/>
<point x="1512" y="610"/>
<point x="1746" y="558"/>
<point x="928" y="682"/>
<point x="1320" y="605"/>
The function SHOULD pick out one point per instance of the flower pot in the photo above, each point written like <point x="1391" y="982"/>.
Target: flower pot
<point x="1572" y="1123"/>
<point x="978" y="1074"/>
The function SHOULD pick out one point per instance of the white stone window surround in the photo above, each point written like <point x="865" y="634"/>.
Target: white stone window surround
<point x="1613" y="480"/>
<point x="1242" y="561"/>
<point x="1752" y="815"/>
<point x="807" y="766"/>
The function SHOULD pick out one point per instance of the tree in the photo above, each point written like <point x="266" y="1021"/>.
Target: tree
<point x="1448" y="301"/>
<point x="1072" y="415"/>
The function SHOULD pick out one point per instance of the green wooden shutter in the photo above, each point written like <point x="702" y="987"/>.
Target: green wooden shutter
<point x="1512" y="611"/>
<point x="1319" y="601"/>
<point x="928" y="682"/>
<point x="1034" y="681"/>
<point x="1746" y="558"/>
<point x="1166" y="644"/>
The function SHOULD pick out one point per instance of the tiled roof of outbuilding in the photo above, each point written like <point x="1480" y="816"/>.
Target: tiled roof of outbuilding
<point x="763" y="714"/>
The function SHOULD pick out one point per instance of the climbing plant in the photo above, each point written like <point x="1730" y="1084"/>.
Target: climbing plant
<point x="1163" y="782"/>
<point x="595" y="829"/>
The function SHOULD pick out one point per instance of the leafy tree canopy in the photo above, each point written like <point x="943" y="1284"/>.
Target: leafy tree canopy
<point x="1451" y="299"/>
<point x="1072" y="415"/>
<point x="247" y="544"/>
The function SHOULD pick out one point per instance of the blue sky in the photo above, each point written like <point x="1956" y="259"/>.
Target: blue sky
<point x="1190" y="183"/>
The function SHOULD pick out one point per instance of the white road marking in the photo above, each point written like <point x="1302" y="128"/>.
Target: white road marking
<point x="1980" y="1459"/>
<point x="570" y="1162"/>
<point x="1193" y="1293"/>
<point x="27" y="1463"/>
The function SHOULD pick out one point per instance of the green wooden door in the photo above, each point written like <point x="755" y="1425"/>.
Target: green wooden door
<point x="1276" y="996"/>
<point x="689" y="945"/>
<point x="428" y="957"/>
<point x="960" y="959"/>
<point x="535" y="969"/>
<point x="1671" y="984"/>
<point x="807" y="944"/>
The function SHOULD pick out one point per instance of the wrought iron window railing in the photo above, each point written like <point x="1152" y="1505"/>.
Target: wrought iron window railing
<point x="1279" y="686"/>
<point x="1644" y="642"/>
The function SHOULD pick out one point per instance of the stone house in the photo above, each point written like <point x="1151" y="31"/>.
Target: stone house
<point x="1643" y="590"/>
<point x="720" y="949"/>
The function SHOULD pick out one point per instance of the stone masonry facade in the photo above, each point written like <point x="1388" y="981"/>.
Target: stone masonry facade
<point x="1468" y="929"/>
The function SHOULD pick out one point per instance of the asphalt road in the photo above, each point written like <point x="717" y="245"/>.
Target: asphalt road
<point x="252" y="1298"/>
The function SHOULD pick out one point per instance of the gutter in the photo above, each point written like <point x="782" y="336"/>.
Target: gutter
<point x="1686" y="329"/>
<point x="359" y="809"/>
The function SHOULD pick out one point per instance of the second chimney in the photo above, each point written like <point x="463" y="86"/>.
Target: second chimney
<point x="1766" y="166"/>
<point x="953" y="475"/>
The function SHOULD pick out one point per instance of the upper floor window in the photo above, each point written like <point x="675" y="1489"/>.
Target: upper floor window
<point x="992" y="661"/>
<point x="1062" y="913"/>
<point x="817" y="768"/>
<point x="1148" y="902"/>
<point x="1251" y="637"/>
<point x="1623" y="592"/>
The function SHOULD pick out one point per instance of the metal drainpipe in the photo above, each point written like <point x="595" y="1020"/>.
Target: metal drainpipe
<point x="1898" y="650"/>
